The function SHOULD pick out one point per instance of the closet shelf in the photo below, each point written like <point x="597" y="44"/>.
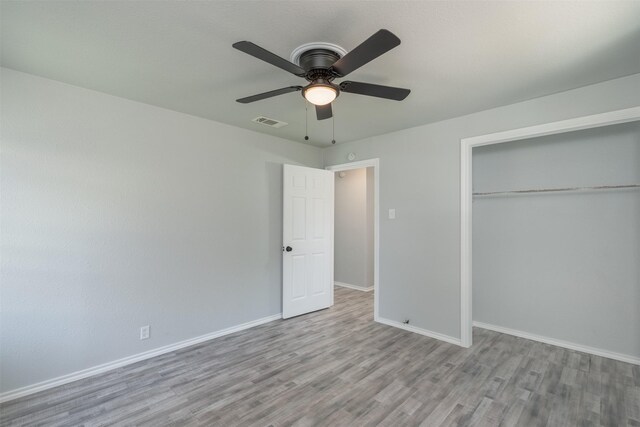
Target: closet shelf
<point x="558" y="190"/>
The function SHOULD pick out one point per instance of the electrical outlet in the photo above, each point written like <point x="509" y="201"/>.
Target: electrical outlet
<point x="144" y="332"/>
<point x="392" y="214"/>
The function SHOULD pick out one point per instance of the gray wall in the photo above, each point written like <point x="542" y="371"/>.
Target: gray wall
<point x="117" y="214"/>
<point x="560" y="265"/>
<point x="354" y="228"/>
<point x="420" y="178"/>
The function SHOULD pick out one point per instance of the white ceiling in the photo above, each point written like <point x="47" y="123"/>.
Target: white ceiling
<point x="456" y="57"/>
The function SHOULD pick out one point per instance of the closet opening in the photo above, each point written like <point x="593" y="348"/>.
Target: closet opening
<point x="550" y="234"/>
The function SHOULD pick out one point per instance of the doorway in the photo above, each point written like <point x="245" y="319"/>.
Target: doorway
<point x="356" y="225"/>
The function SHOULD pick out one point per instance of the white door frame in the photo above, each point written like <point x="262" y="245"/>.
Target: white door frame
<point x="466" y="189"/>
<point x="375" y="164"/>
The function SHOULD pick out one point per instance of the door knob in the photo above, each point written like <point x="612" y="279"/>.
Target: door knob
<point x="289" y="249"/>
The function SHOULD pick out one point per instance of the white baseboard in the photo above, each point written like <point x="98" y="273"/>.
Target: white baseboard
<point x="357" y="288"/>
<point x="560" y="343"/>
<point x="54" y="382"/>
<point x="411" y="328"/>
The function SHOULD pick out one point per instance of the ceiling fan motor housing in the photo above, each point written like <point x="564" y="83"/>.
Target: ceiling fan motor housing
<point x="318" y="59"/>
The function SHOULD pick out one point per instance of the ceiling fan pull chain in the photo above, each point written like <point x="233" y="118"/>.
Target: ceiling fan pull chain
<point x="306" y="121"/>
<point x="333" y="130"/>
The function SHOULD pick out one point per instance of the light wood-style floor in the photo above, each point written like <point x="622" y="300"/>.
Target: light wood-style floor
<point x="338" y="367"/>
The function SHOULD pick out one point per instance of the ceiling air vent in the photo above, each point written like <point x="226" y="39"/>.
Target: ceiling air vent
<point x="269" y="122"/>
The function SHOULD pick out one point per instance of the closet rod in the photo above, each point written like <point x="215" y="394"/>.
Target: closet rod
<point x="558" y="190"/>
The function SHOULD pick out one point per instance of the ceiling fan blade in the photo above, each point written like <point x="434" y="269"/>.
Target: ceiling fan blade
<point x="387" y="92"/>
<point x="269" y="94"/>
<point x="324" y="112"/>
<point x="379" y="43"/>
<point x="271" y="58"/>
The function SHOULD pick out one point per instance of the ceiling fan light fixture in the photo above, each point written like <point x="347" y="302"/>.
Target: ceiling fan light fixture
<point x="320" y="94"/>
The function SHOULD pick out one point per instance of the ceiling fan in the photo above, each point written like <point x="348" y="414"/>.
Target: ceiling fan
<point x="320" y="66"/>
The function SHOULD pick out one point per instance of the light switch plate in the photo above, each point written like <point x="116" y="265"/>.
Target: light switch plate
<point x="392" y="214"/>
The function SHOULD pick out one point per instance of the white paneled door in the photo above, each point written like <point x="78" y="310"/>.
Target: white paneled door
<point x="307" y="251"/>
